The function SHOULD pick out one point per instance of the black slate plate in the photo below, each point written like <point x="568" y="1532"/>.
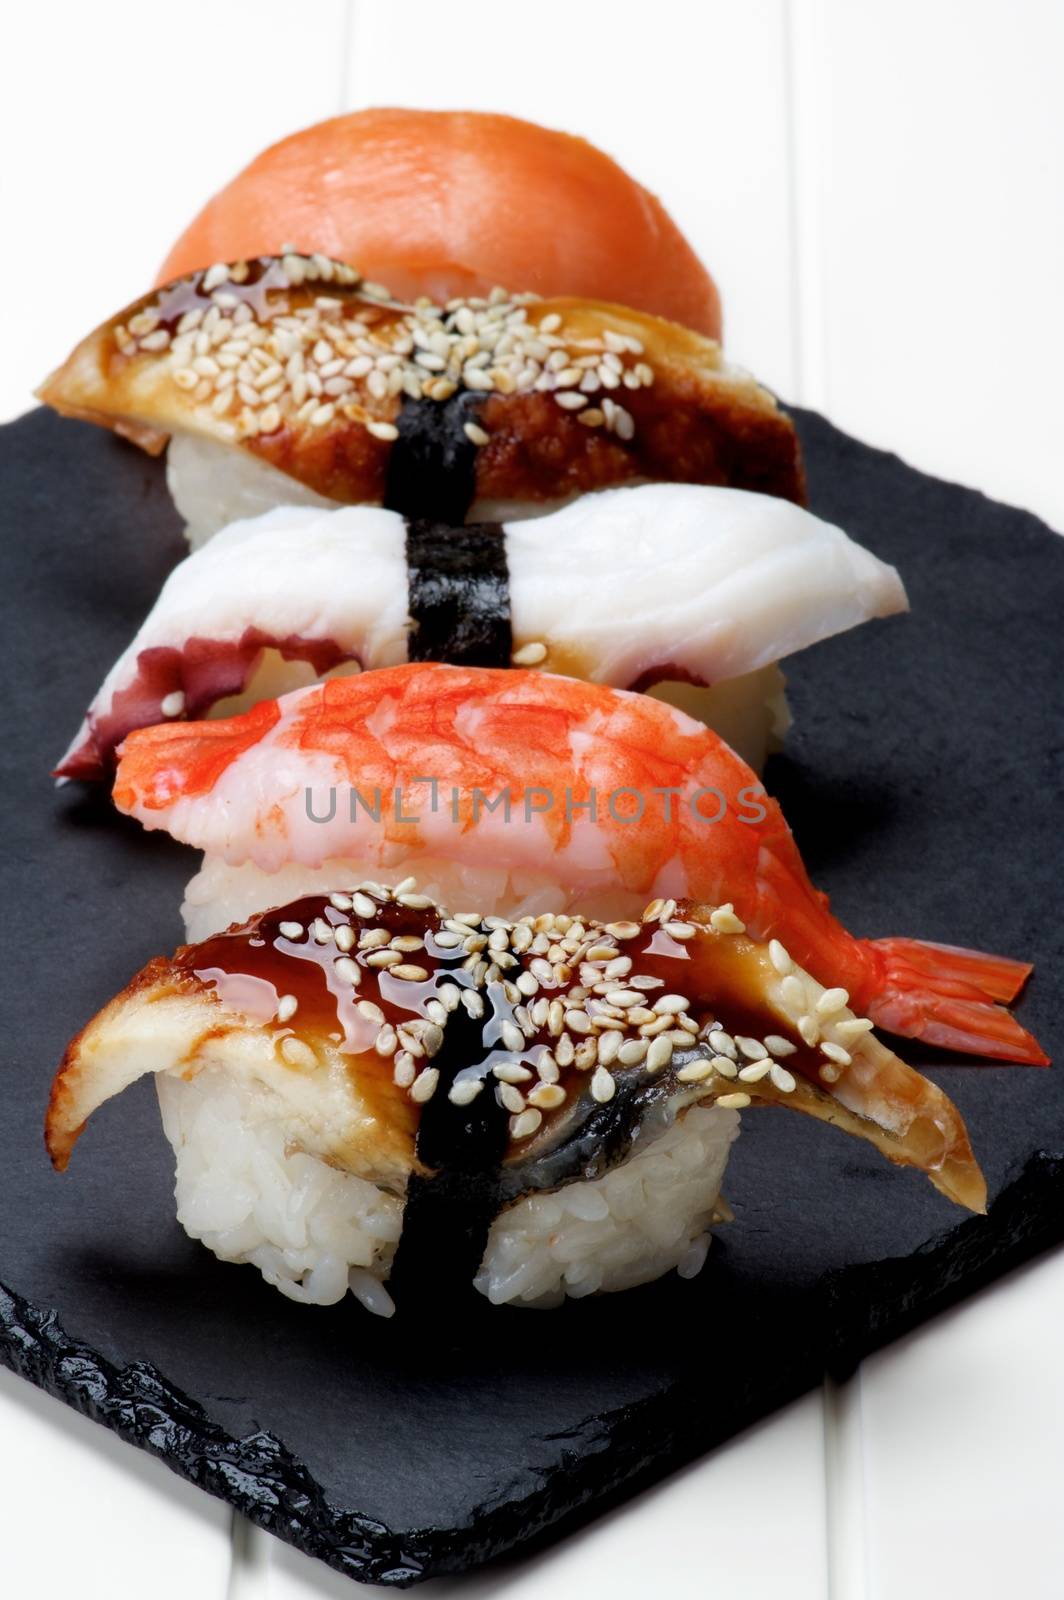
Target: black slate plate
<point x="921" y="780"/>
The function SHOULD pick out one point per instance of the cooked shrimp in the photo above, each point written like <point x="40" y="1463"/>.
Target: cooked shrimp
<point x="608" y="795"/>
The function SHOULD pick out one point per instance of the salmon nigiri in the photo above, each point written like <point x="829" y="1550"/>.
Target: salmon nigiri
<point x="512" y="788"/>
<point x="446" y="203"/>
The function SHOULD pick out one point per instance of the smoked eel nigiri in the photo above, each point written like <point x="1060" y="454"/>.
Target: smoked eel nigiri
<point x="365" y="1093"/>
<point x="518" y="790"/>
<point x="290" y="380"/>
<point x="447" y="203"/>
<point x="664" y="584"/>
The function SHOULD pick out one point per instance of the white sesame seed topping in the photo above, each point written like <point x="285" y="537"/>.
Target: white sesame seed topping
<point x="734" y="1102"/>
<point x="287" y="1006"/>
<point x="830" y="1001"/>
<point x="779" y="958"/>
<point x="659" y="1055"/>
<point x="464" y="1091"/>
<point x="724" y="920"/>
<point x="296" y="1053"/>
<point x="836" y="1053"/>
<point x="777" y="1045"/>
<point x="424" y="1085"/>
<point x="784" y="1081"/>
<point x="603" y="1086"/>
<point x="290" y="930"/>
<point x="530" y="655"/>
<point x="526" y="1123"/>
<point x="347" y="970"/>
<point x="172" y="705"/>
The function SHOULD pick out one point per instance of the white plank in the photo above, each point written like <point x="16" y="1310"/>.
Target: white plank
<point x="690" y="1537"/>
<point x="930" y="160"/>
<point x="116" y="130"/>
<point x="82" y="1513"/>
<point x="692" y="99"/>
<point x="961" y="1447"/>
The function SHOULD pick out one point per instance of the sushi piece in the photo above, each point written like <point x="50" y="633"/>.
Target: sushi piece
<point x="632" y="587"/>
<point x="518" y="791"/>
<point x="289" y="380"/>
<point x="363" y="1090"/>
<point x="450" y="203"/>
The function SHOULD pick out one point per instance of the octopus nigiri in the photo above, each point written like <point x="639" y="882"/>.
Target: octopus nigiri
<point x="291" y="380"/>
<point x="660" y="584"/>
<point x="446" y="203"/>
<point x="516" y="789"/>
<point x="362" y="1089"/>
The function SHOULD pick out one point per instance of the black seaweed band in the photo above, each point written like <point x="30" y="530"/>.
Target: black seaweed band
<point x="458" y="593"/>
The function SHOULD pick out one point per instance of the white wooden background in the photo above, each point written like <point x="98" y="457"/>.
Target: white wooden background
<point x="877" y="188"/>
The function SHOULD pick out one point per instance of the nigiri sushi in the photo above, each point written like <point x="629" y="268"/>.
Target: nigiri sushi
<point x="289" y="380"/>
<point x="632" y="587"/>
<point x="516" y="791"/>
<point x="363" y="1090"/>
<point x="447" y="203"/>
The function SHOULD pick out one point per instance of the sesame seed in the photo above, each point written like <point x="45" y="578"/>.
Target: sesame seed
<point x="407" y="942"/>
<point x="793" y="991"/>
<point x="829" y="1073"/>
<point x="290" y="930"/>
<point x="172" y="705"/>
<point x="570" y="399"/>
<point x="385" y="958"/>
<point x="603" y="1086"/>
<point x="382" y="430"/>
<point x="465" y="1091"/>
<point x="510" y="1098"/>
<point x="784" y="1081"/>
<point x="733" y="1102"/>
<point x="632" y="1052"/>
<point x="777" y="1045"/>
<point x="809" y="1029"/>
<point x="725" y="1066"/>
<point x="547" y="1067"/>
<point x="695" y="1072"/>
<point x="565" y="1050"/>
<point x="830" y="1001"/>
<point x="723" y="1043"/>
<point x="835" y="1052"/>
<point x="387" y="1041"/>
<point x="340" y="902"/>
<point x="321" y="930"/>
<point x="363" y="906"/>
<point x="424" y="1085"/>
<point x="752" y="1049"/>
<point x="724" y="920"/>
<point x="347" y="969"/>
<point x="512" y="1037"/>
<point x="510" y="1072"/>
<point x="475" y="433"/>
<point x="405" y="1070"/>
<point x="779" y="958"/>
<point x="623" y="930"/>
<point x="414" y="902"/>
<point x="680" y="930"/>
<point x="370" y="1011"/>
<point x="473" y="1003"/>
<point x="755" y="1071"/>
<point x="525" y="1124"/>
<point x="410" y="972"/>
<point x="296" y="1053"/>
<point x="530" y="655"/>
<point x="547" y="1096"/>
<point x="668" y="1003"/>
<point x="659" y="1055"/>
<point x="287" y="1007"/>
<point x="447" y="940"/>
<point x="852" y="1027"/>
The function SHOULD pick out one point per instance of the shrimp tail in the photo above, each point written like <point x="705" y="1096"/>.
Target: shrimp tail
<point x="949" y="997"/>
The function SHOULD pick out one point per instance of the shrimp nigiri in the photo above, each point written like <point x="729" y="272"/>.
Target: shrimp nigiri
<point x="519" y="786"/>
<point x="360" y="1087"/>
